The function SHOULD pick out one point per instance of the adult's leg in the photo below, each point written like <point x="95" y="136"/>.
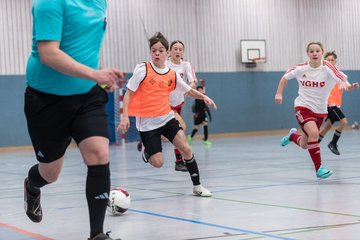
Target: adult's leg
<point x="95" y="153"/>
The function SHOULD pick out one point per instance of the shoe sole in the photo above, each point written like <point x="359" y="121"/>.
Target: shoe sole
<point x="326" y="175"/>
<point x="181" y="170"/>
<point x="199" y="195"/>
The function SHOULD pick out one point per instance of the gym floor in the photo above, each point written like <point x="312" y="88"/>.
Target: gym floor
<point x="260" y="191"/>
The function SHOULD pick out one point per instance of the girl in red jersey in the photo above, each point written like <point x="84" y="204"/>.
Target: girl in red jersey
<point x="334" y="112"/>
<point x="147" y="98"/>
<point x="186" y="72"/>
<point x="316" y="78"/>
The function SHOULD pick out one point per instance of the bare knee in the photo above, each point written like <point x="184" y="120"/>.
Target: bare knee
<point x="343" y="123"/>
<point x="303" y="146"/>
<point x="97" y="156"/>
<point x="49" y="172"/>
<point x="156" y="160"/>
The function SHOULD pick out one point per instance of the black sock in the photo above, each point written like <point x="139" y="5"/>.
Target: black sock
<point x="193" y="132"/>
<point x="35" y="181"/>
<point x="193" y="169"/>
<point x="205" y="133"/>
<point x="97" y="195"/>
<point x="320" y="138"/>
<point x="336" y="137"/>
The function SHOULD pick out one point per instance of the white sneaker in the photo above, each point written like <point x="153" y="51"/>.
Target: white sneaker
<point x="201" y="191"/>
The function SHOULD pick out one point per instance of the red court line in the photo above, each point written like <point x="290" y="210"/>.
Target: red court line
<point x="24" y="232"/>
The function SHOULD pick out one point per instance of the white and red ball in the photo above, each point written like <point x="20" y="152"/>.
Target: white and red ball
<point x="119" y="201"/>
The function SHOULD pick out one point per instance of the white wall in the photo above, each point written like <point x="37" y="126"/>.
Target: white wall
<point x="210" y="29"/>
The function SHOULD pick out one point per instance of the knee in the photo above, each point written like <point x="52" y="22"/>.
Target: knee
<point x="187" y="152"/>
<point x="156" y="163"/>
<point x="156" y="160"/>
<point x="303" y="146"/>
<point x="327" y="127"/>
<point x="343" y="122"/>
<point x="50" y="175"/>
<point x="97" y="157"/>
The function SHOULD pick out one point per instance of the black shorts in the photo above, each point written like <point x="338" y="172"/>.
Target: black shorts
<point x="199" y="119"/>
<point x="152" y="139"/>
<point x="334" y="114"/>
<point x="54" y="120"/>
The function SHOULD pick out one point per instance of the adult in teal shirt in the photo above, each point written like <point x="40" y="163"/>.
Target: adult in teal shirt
<point x="63" y="101"/>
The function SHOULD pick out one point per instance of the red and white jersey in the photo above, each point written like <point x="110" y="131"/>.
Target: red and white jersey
<point x="315" y="84"/>
<point x="186" y="72"/>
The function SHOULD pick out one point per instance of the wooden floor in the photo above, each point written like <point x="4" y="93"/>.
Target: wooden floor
<point x="260" y="191"/>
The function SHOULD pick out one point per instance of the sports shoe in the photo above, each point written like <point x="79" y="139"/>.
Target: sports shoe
<point x="333" y="148"/>
<point x="323" y="173"/>
<point x="145" y="157"/>
<point x="103" y="236"/>
<point x="201" y="191"/>
<point x="32" y="205"/>
<point x="180" y="166"/>
<point x="286" y="140"/>
<point x="139" y="146"/>
<point x="189" y="138"/>
<point x="207" y="142"/>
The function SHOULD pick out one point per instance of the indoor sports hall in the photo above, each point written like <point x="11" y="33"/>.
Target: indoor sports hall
<point x="239" y="50"/>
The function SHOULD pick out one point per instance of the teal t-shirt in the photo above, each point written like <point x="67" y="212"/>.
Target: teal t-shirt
<point x="79" y="27"/>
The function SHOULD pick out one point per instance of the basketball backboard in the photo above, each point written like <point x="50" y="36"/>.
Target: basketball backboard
<point x="253" y="51"/>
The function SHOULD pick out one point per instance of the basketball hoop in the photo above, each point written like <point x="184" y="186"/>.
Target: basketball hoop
<point x="254" y="62"/>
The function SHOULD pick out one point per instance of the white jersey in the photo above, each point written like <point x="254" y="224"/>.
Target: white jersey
<point x="144" y="124"/>
<point x="186" y="72"/>
<point x="315" y="84"/>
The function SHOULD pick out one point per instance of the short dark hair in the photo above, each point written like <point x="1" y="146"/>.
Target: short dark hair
<point x="332" y="53"/>
<point x="159" y="37"/>
<point x="198" y="87"/>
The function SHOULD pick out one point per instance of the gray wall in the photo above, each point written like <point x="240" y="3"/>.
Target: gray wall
<point x="211" y="31"/>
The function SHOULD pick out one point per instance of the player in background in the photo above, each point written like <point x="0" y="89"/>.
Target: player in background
<point x="147" y="98"/>
<point x="316" y="78"/>
<point x="186" y="72"/>
<point x="201" y="115"/>
<point x="334" y="112"/>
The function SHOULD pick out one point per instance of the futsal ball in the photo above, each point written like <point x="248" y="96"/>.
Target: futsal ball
<point x="119" y="201"/>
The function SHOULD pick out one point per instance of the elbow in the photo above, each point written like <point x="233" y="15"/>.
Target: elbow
<point x="44" y="58"/>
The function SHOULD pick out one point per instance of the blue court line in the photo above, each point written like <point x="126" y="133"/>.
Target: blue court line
<point x="211" y="225"/>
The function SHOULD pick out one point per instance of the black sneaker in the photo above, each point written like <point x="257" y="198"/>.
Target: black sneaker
<point x="32" y="205"/>
<point x="145" y="157"/>
<point x="333" y="148"/>
<point x="103" y="236"/>
<point x="180" y="166"/>
<point x="139" y="146"/>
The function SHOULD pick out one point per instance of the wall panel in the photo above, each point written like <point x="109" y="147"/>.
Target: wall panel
<point x="210" y="29"/>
